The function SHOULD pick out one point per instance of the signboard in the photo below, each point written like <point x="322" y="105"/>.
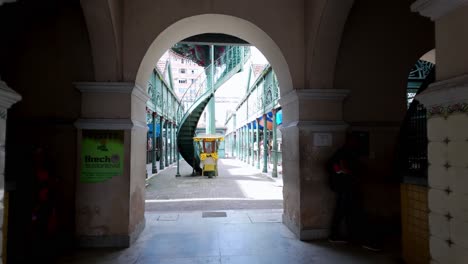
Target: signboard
<point x="102" y="155"/>
<point x="322" y="139"/>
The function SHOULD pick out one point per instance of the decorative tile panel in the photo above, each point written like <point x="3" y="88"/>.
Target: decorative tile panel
<point x="439" y="226"/>
<point x="438" y="177"/>
<point x="436" y="129"/>
<point x="440" y="250"/>
<point x="438" y="201"/>
<point x="457" y="127"/>
<point x="456" y="153"/>
<point x="457" y="179"/>
<point x="459" y="233"/>
<point x="457" y="205"/>
<point x="437" y="153"/>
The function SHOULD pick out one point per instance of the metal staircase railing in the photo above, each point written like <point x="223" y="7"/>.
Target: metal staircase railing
<point x="198" y="95"/>
<point x="226" y="63"/>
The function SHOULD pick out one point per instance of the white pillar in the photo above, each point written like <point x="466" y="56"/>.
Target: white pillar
<point x="7" y="98"/>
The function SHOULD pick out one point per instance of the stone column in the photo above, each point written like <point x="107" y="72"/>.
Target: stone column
<point x="265" y="144"/>
<point x="446" y="101"/>
<point x="153" y="153"/>
<point x="110" y="210"/>
<point x="258" y="142"/>
<point x="274" y="158"/>
<point x="312" y="130"/>
<point x="161" y="147"/>
<point x="8" y="97"/>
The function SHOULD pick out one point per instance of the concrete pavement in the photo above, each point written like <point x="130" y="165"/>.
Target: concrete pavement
<point x="239" y="186"/>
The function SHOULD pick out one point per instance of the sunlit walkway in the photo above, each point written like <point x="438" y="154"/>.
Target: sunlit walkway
<point x="242" y="237"/>
<point x="238" y="186"/>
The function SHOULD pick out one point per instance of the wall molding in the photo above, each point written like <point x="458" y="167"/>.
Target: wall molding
<point x="318" y="126"/>
<point x="109" y="124"/>
<point x="444" y="93"/>
<point x="113" y="87"/>
<point x="8" y="96"/>
<point x="434" y="9"/>
<point x="105" y="87"/>
<point x="140" y="93"/>
<point x="314" y="94"/>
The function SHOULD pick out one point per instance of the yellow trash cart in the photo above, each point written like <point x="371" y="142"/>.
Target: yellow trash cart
<point x="208" y="150"/>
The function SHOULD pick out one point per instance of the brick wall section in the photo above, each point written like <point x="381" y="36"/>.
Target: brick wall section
<point x="415" y="229"/>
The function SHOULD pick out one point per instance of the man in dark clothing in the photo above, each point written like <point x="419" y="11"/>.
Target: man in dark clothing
<point x="342" y="181"/>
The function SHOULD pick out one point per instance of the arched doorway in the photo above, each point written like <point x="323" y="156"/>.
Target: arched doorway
<point x="214" y="23"/>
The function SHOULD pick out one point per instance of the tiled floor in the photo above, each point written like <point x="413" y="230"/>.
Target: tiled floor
<point x="177" y="233"/>
<point x="243" y="237"/>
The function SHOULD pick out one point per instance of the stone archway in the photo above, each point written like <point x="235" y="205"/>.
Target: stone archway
<point x="312" y="112"/>
<point x="216" y="23"/>
<point x="234" y="26"/>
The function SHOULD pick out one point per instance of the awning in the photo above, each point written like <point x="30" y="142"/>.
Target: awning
<point x="269" y="118"/>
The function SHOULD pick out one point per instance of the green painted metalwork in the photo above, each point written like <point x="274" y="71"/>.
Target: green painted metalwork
<point x="258" y="143"/>
<point x="243" y="143"/>
<point x="211" y="123"/>
<point x="197" y="97"/>
<point x="161" y="153"/>
<point x="252" y="141"/>
<point x="246" y="144"/>
<point x="261" y="98"/>
<point x="166" y="145"/>
<point x="154" y="168"/>
<point x="274" y="151"/>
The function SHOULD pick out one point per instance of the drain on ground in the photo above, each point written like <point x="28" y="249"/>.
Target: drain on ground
<point x="213" y="214"/>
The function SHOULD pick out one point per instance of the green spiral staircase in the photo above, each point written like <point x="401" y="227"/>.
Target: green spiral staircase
<point x="197" y="96"/>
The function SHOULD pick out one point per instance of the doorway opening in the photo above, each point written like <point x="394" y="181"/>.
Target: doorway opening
<point x="214" y="86"/>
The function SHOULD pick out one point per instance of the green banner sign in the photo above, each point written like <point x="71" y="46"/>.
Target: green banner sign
<point x="102" y="155"/>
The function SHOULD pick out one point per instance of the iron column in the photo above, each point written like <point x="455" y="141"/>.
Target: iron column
<point x="258" y="144"/>
<point x="274" y="172"/>
<point x="161" y="156"/>
<point x="154" y="168"/>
